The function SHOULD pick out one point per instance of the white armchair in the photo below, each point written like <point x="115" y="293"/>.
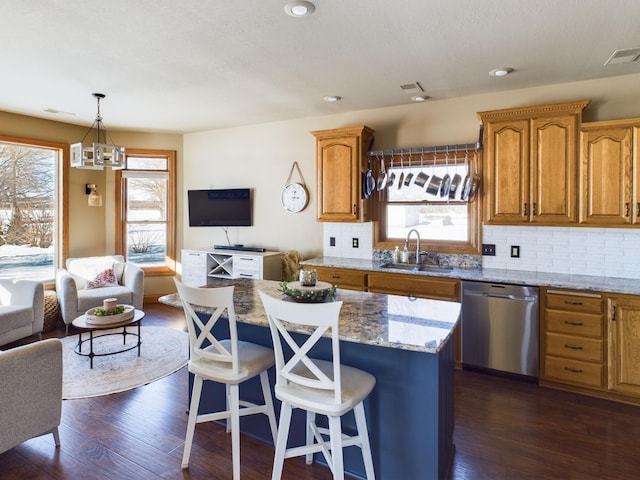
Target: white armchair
<point x="21" y="309"/>
<point x="30" y="392"/>
<point x="86" y="282"/>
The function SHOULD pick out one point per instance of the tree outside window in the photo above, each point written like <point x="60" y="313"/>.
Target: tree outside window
<point x="29" y="211"/>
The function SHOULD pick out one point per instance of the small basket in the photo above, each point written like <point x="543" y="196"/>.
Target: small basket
<point x="51" y="310"/>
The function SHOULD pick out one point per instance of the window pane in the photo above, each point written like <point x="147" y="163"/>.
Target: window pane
<point x="146" y="199"/>
<point x="147" y="244"/>
<point x="27" y="211"/>
<point x="146" y="163"/>
<point x="434" y="222"/>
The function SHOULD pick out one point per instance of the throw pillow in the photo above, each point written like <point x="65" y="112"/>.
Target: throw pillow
<point x="105" y="278"/>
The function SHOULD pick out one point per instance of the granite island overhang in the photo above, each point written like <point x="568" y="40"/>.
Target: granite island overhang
<point x="405" y="343"/>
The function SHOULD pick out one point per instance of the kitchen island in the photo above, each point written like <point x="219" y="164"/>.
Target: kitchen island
<point x="405" y="343"/>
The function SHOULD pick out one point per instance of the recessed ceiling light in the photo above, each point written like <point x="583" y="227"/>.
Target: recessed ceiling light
<point x="500" y="72"/>
<point x="299" y="9"/>
<point x="420" y="98"/>
<point x="332" y="98"/>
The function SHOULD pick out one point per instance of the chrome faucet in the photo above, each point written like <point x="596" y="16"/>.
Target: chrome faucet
<point x="417" y="243"/>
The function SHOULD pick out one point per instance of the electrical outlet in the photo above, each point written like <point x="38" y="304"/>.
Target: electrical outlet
<point x="332" y="241"/>
<point x="355" y="242"/>
<point x="515" y="251"/>
<point x="489" y="249"/>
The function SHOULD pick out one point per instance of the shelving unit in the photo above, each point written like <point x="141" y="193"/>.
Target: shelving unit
<point x="199" y="266"/>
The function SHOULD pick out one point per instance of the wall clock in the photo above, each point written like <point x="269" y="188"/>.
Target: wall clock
<point x="295" y="196"/>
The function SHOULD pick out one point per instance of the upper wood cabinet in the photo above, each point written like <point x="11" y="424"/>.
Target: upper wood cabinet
<point x="340" y="166"/>
<point x="530" y="164"/>
<point x="610" y="185"/>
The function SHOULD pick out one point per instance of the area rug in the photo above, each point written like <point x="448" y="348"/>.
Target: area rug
<point x="163" y="352"/>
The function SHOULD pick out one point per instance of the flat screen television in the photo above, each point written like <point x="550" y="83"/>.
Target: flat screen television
<point x="229" y="207"/>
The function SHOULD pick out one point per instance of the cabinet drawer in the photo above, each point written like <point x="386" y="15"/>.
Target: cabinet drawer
<point x="414" y="286"/>
<point x="246" y="265"/>
<point x="344" y="278"/>
<point x="575" y="323"/>
<point x="580" y="348"/>
<point x="573" y="371"/>
<point x="576" y="302"/>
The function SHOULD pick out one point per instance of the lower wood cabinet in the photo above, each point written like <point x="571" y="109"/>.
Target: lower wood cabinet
<point x="590" y="342"/>
<point x="438" y="288"/>
<point x="624" y="345"/>
<point x="573" y="348"/>
<point x="343" y="277"/>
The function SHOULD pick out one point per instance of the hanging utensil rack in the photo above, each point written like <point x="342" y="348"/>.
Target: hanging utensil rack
<point x="459" y="147"/>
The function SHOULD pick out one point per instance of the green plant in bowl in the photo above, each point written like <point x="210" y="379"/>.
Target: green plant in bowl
<point x="102" y="312"/>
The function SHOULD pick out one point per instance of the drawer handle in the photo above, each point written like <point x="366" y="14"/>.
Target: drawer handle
<point x="334" y="277"/>
<point x="569" y="302"/>
<point x="573" y="370"/>
<point x="575" y="324"/>
<point x="572" y="347"/>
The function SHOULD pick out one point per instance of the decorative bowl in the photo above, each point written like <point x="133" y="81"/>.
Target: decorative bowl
<point x="317" y="293"/>
<point x="128" y="313"/>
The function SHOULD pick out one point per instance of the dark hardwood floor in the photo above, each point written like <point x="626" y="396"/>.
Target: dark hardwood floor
<point x="504" y="430"/>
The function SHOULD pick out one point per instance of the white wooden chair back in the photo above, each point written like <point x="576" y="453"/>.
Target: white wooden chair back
<point x="322" y="317"/>
<point x="217" y="300"/>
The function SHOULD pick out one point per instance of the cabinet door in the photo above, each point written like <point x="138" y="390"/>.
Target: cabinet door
<point x="194" y="268"/>
<point x="339" y="174"/>
<point x="624" y="345"/>
<point x="553" y="160"/>
<point x="414" y="286"/>
<point x="506" y="170"/>
<point x="343" y="278"/>
<point x="606" y="174"/>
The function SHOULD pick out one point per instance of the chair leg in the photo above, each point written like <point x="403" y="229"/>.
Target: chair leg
<point x="193" y="418"/>
<point x="281" y="443"/>
<point x="335" y="432"/>
<point x="363" y="433"/>
<point x="56" y="436"/>
<point x="311" y="418"/>
<point x="228" y="405"/>
<point x="268" y="402"/>
<point x="234" y="413"/>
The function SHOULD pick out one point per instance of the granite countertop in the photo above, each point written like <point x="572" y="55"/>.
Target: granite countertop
<point x="393" y="321"/>
<point x="540" y="279"/>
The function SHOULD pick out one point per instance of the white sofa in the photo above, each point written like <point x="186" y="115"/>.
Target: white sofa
<point x="30" y="392"/>
<point x="21" y="309"/>
<point x="78" y="286"/>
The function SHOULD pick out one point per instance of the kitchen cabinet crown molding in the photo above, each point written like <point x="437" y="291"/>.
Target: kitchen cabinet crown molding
<point x="533" y="111"/>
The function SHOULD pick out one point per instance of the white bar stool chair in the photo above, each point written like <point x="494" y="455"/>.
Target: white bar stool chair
<point x="317" y="386"/>
<point x="229" y="361"/>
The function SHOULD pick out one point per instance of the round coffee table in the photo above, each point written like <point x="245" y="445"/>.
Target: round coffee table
<point x="83" y="326"/>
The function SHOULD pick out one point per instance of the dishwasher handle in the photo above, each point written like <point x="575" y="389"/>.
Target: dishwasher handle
<point x="504" y="296"/>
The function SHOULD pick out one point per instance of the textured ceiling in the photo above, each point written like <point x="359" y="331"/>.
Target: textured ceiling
<point x="187" y="65"/>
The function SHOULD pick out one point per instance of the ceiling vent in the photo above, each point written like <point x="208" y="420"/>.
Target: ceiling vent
<point x="625" y="55"/>
<point x="412" y="88"/>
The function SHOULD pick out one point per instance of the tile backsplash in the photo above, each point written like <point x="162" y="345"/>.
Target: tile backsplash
<point x="343" y="235"/>
<point x="611" y="252"/>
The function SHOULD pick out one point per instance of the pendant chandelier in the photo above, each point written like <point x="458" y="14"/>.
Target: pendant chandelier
<point x="103" y="152"/>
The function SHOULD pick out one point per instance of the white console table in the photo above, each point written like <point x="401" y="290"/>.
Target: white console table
<point x="198" y="266"/>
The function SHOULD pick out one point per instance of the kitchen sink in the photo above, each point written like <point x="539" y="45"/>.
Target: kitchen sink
<point x="412" y="267"/>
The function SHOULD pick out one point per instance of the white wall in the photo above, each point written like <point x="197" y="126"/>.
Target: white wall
<point x="260" y="157"/>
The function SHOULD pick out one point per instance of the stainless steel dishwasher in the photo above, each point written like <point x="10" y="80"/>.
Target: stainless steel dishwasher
<point x="500" y="328"/>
